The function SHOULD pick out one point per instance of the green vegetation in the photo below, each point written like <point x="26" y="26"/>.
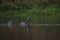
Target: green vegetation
<point x="36" y="12"/>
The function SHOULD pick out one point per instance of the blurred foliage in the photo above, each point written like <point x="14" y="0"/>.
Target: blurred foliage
<point x="19" y="13"/>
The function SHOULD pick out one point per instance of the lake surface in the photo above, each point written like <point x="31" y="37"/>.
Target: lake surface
<point x="36" y="33"/>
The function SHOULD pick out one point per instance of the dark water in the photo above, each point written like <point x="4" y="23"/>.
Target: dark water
<point x="36" y="33"/>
